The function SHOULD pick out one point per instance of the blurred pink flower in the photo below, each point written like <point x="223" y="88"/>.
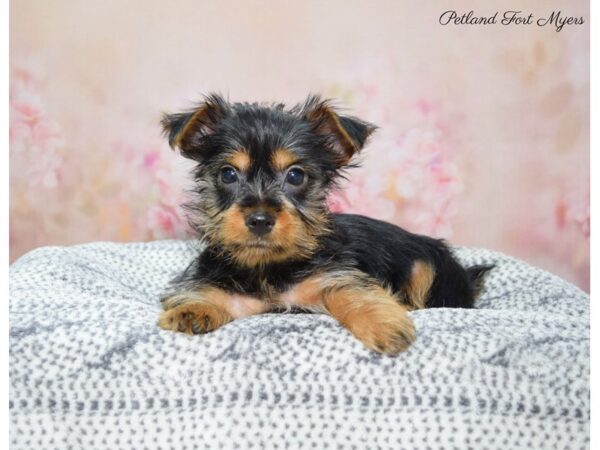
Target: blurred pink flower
<point x="35" y="140"/>
<point x="151" y="159"/>
<point x="165" y="222"/>
<point x="576" y="209"/>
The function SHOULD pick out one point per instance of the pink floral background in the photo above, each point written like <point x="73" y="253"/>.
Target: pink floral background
<point x="484" y="130"/>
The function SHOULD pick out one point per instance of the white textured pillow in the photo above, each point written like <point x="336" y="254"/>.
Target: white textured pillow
<point x="89" y="368"/>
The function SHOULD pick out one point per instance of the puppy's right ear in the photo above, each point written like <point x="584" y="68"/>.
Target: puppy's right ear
<point x="346" y="136"/>
<point x="187" y="130"/>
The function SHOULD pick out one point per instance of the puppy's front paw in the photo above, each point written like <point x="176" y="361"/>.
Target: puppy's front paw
<point x="390" y="335"/>
<point x="194" y="318"/>
<point x="374" y="317"/>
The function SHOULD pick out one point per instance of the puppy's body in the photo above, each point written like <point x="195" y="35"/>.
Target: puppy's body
<point x="381" y="250"/>
<point x="262" y="177"/>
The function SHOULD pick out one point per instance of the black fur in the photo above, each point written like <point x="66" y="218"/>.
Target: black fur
<point x="384" y="251"/>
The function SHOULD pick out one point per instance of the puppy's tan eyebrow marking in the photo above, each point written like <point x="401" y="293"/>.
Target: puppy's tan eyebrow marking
<point x="240" y="159"/>
<point x="282" y="158"/>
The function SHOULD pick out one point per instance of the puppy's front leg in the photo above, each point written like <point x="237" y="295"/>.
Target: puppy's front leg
<point x="368" y="311"/>
<point x="196" y="311"/>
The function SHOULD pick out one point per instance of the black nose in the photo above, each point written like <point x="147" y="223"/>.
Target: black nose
<point x="260" y="223"/>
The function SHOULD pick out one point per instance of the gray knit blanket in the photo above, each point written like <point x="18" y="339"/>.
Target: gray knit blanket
<point x="90" y="369"/>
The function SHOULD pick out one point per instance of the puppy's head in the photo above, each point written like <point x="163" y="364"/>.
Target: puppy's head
<point x="264" y="172"/>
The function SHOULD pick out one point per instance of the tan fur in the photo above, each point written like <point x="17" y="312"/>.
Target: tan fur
<point x="417" y="287"/>
<point x="308" y="293"/>
<point x="194" y="318"/>
<point x="350" y="147"/>
<point x="373" y="315"/>
<point x="234" y="229"/>
<point x="194" y="312"/>
<point x="240" y="306"/>
<point x="289" y="238"/>
<point x="188" y="129"/>
<point x="207" y="309"/>
<point x="370" y="312"/>
<point x="240" y="160"/>
<point x="282" y="159"/>
<point x="290" y="232"/>
<point x="330" y="123"/>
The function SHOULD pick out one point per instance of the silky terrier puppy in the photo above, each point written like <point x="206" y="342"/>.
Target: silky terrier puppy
<point x="262" y="177"/>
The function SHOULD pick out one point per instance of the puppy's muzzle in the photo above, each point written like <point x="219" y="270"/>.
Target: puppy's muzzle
<point x="260" y="223"/>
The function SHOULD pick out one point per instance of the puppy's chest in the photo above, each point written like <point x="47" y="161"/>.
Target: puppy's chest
<point x="305" y="294"/>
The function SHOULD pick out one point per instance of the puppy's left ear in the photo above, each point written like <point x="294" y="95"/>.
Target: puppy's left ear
<point x="187" y="130"/>
<point x="344" y="135"/>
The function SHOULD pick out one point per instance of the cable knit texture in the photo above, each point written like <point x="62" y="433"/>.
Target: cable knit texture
<point x="89" y="367"/>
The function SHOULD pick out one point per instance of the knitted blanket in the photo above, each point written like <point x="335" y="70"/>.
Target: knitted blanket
<point x="89" y="367"/>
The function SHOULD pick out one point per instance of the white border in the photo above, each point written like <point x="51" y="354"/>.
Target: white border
<point x="594" y="248"/>
<point x="4" y="45"/>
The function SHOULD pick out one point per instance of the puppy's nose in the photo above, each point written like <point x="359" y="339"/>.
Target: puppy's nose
<point x="260" y="223"/>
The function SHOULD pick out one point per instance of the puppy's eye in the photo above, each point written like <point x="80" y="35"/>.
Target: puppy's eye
<point x="295" y="176"/>
<point x="228" y="175"/>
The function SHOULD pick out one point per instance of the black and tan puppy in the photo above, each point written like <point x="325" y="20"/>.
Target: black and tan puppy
<point x="262" y="178"/>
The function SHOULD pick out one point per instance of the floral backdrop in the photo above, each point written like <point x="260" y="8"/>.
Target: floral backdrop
<point x="483" y="139"/>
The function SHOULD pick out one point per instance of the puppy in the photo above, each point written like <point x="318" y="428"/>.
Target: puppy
<point x="261" y="181"/>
